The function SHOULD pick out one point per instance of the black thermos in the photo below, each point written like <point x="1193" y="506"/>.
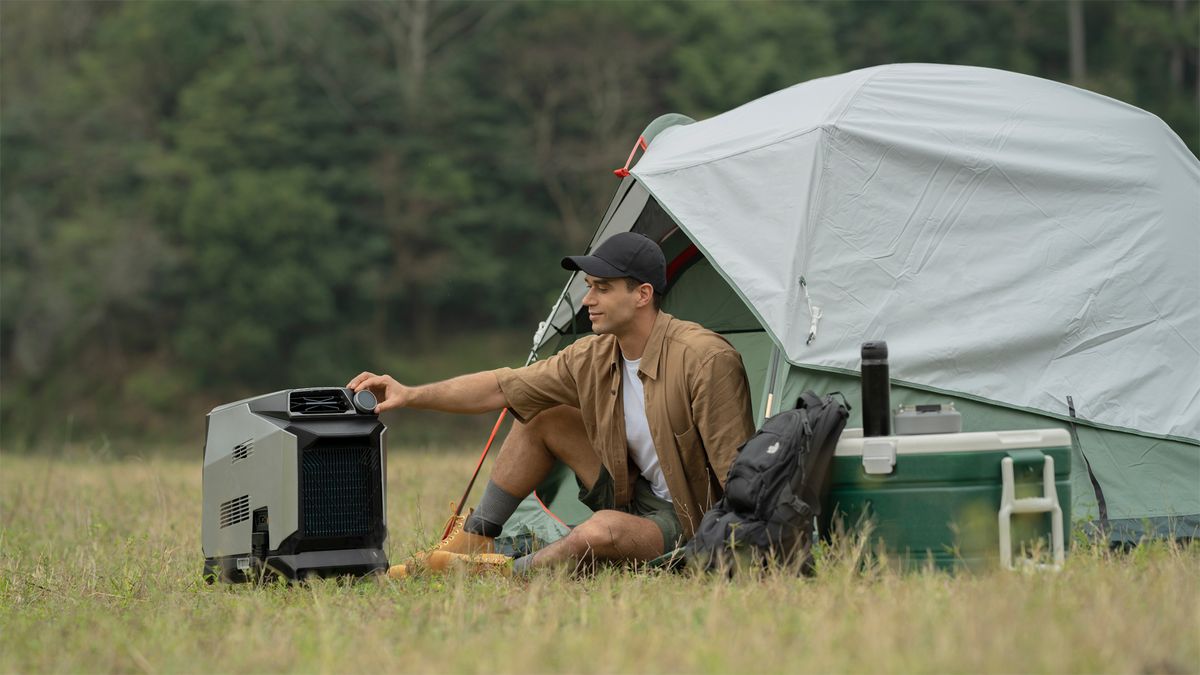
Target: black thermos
<point x="876" y="390"/>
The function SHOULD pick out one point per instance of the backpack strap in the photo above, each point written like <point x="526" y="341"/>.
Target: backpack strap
<point x="829" y="419"/>
<point x="809" y="400"/>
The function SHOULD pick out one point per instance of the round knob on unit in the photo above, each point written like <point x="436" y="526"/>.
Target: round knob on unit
<point x="365" y="402"/>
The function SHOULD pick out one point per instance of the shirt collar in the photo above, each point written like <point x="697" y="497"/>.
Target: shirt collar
<point x="653" y="353"/>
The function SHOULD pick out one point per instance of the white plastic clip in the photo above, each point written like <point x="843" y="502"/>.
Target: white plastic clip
<point x="814" y="313"/>
<point x="540" y="333"/>
<point x="878" y="455"/>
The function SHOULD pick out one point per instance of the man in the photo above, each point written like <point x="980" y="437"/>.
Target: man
<point x="648" y="413"/>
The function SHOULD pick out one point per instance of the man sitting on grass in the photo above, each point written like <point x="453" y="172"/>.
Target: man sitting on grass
<point x="649" y="413"/>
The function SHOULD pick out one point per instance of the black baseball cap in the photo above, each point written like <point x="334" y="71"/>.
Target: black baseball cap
<point x="625" y="254"/>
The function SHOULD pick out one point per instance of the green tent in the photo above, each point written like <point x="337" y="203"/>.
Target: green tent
<point x="1016" y="241"/>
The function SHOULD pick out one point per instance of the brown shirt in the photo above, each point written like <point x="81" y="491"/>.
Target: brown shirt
<point x="697" y="406"/>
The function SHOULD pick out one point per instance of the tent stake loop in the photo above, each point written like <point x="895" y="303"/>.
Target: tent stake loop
<point x="624" y="171"/>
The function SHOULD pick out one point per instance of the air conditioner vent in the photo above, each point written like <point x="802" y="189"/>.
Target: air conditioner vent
<point x="336" y="490"/>
<point x="318" y="402"/>
<point x="235" y="511"/>
<point x="243" y="450"/>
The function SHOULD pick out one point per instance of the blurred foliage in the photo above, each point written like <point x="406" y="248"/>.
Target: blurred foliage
<point x="202" y="201"/>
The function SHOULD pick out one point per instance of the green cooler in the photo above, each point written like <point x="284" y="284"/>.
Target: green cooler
<point x="973" y="500"/>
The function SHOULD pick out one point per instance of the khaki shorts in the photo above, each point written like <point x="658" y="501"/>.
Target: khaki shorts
<point x="644" y="504"/>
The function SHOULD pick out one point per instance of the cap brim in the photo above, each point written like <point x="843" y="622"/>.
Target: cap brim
<point x="593" y="266"/>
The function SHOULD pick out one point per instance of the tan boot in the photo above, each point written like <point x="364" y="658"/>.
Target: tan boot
<point x="460" y="549"/>
<point x="466" y="543"/>
<point x="479" y="563"/>
<point x="441" y="562"/>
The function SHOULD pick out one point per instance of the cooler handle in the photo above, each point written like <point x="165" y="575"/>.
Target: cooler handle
<point x="1048" y="502"/>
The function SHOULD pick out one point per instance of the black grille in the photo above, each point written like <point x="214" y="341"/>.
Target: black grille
<point x="318" y="402"/>
<point x="337" y="484"/>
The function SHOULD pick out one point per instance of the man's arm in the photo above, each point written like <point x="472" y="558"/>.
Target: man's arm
<point x="474" y="393"/>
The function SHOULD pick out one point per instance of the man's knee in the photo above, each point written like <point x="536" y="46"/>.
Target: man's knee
<point x="553" y="422"/>
<point x="560" y="433"/>
<point x="598" y="533"/>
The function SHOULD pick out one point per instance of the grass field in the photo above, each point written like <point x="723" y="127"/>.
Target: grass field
<point x="100" y="571"/>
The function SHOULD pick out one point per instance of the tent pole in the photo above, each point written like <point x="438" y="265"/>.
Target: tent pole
<point x="774" y="368"/>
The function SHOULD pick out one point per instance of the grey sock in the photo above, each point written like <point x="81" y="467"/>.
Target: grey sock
<point x="494" y="510"/>
<point x="523" y="564"/>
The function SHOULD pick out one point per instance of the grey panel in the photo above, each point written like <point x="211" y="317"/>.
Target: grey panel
<point x="256" y="475"/>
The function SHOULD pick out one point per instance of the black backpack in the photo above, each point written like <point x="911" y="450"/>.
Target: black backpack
<point x="777" y="485"/>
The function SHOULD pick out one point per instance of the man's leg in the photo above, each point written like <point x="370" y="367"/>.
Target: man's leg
<point x="528" y="453"/>
<point x="607" y="535"/>
<point x="526" y="457"/>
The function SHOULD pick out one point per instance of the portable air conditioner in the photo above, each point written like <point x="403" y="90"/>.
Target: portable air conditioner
<point x="294" y="486"/>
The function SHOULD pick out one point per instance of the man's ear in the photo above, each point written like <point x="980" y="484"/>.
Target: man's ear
<point x="645" y="295"/>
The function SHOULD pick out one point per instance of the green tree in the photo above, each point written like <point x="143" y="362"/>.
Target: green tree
<point x="724" y="54"/>
<point x="200" y="201"/>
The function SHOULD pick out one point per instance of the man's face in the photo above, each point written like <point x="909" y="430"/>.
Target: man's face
<point x="611" y="304"/>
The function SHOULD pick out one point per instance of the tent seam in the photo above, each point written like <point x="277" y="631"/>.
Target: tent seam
<point x="722" y="158"/>
<point x="820" y="201"/>
<point x="818" y="204"/>
<point x="850" y="99"/>
<point x="854" y="95"/>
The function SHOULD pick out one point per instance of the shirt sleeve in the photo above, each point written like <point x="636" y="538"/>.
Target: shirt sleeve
<point x="540" y="385"/>
<point x="721" y="410"/>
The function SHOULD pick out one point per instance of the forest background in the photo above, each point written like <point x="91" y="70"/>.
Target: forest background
<point x="205" y="201"/>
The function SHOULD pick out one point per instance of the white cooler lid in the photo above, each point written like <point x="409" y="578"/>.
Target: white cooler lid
<point x="851" y="442"/>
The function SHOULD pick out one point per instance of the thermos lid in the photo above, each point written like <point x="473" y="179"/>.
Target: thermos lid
<point x="875" y="349"/>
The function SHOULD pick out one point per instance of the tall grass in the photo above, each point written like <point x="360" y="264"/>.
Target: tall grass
<point x="100" y="571"/>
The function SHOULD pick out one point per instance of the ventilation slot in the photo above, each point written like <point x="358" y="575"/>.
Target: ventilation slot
<point x="318" y="402"/>
<point x="242" y="451"/>
<point x="337" y="485"/>
<point x="235" y="511"/>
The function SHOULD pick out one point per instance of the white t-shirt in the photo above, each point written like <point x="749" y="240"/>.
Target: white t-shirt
<point x="637" y="430"/>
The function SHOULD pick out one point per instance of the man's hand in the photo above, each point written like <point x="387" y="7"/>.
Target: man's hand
<point x="468" y="394"/>
<point x="389" y="392"/>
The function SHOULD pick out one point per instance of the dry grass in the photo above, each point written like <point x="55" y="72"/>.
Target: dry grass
<point x="100" y="571"/>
